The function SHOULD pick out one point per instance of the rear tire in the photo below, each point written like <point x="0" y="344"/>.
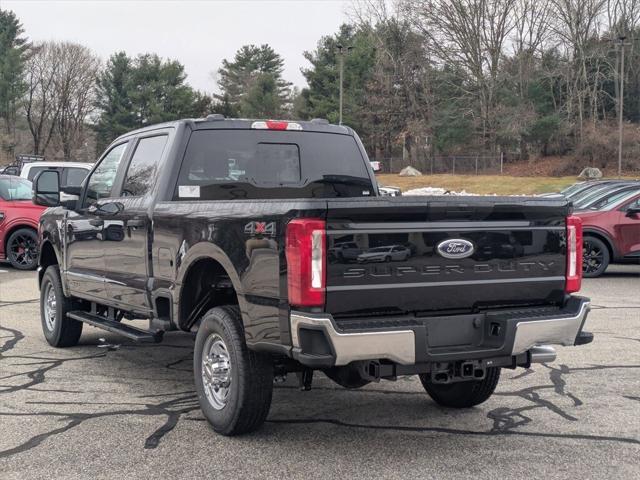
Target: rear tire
<point x="462" y="394"/>
<point x="234" y="384"/>
<point x="58" y="329"/>
<point x="22" y="249"/>
<point x="595" y="257"/>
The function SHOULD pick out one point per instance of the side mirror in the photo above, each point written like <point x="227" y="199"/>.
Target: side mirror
<point x="633" y="211"/>
<point x="46" y="188"/>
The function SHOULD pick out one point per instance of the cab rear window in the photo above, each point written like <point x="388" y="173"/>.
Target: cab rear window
<point x="253" y="164"/>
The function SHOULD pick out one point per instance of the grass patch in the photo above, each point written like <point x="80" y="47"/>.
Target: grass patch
<point x="480" y="184"/>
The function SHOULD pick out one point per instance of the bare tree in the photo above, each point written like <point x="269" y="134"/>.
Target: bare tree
<point x="75" y="82"/>
<point x="623" y="18"/>
<point x="399" y="97"/>
<point x="577" y="24"/>
<point x="41" y="104"/>
<point x="469" y="35"/>
<point x="530" y="33"/>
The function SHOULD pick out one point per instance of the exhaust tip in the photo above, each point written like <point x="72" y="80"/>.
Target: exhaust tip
<point x="543" y="354"/>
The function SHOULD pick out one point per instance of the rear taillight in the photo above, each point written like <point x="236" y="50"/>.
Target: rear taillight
<point x="574" y="254"/>
<point x="306" y="262"/>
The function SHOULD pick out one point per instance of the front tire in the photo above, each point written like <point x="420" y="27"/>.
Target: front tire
<point x="462" y="394"/>
<point x="234" y="384"/>
<point x="58" y="329"/>
<point x="595" y="257"/>
<point x="22" y="249"/>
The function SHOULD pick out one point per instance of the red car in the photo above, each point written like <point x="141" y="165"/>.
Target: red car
<point x="18" y="223"/>
<point x="611" y="234"/>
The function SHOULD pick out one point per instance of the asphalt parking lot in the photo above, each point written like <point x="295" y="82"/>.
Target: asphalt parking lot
<point x="108" y="408"/>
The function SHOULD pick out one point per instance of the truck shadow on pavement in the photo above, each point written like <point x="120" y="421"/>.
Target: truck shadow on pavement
<point x="170" y="364"/>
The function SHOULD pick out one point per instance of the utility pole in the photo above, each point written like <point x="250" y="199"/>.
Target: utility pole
<point x="622" y="44"/>
<point x="342" y="51"/>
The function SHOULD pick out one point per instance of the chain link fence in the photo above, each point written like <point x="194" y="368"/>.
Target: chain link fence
<point x="449" y="164"/>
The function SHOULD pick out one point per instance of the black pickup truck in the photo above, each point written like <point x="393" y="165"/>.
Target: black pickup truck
<point x="271" y="240"/>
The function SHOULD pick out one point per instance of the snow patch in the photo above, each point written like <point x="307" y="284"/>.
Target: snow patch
<point x="427" y="191"/>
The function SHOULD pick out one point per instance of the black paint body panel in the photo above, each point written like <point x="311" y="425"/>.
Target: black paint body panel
<point x="518" y="258"/>
<point x="146" y="250"/>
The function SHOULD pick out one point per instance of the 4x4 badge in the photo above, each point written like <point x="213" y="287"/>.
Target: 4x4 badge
<point x="455" y="248"/>
<point x="267" y="229"/>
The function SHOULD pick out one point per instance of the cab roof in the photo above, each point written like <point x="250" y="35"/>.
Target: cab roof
<point x="216" y="121"/>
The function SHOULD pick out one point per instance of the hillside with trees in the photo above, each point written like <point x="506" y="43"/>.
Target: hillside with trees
<point x="531" y="81"/>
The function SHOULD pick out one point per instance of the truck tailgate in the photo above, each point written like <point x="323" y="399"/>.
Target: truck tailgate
<point x="455" y="254"/>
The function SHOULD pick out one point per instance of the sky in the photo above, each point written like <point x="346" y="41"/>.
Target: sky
<point x="199" y="34"/>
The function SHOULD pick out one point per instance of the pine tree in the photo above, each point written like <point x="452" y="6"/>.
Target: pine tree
<point x="13" y="55"/>
<point x="252" y="85"/>
<point x="113" y="99"/>
<point x="321" y="98"/>
<point x="136" y="92"/>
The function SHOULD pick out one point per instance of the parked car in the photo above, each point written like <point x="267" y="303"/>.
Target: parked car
<point x="391" y="253"/>
<point x="611" y="194"/>
<point x="18" y="223"/>
<point x="345" y="251"/>
<point x="389" y="191"/>
<point x="244" y="259"/>
<point x="577" y="190"/>
<point x="71" y="173"/>
<point x="611" y="234"/>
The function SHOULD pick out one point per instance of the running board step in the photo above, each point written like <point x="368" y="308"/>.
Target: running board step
<point x="132" y="333"/>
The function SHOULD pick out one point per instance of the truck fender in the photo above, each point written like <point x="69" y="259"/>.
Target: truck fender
<point x="206" y="250"/>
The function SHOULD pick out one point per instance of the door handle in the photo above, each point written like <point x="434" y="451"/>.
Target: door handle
<point x="135" y="223"/>
<point x="96" y="222"/>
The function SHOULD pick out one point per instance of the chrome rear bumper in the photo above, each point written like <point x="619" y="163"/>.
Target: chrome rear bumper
<point x="555" y="331"/>
<point x="396" y="345"/>
<point x="318" y="342"/>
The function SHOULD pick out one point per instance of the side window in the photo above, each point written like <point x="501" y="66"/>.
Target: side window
<point x="75" y="176"/>
<point x="141" y="173"/>
<point x="634" y="205"/>
<point x="103" y="177"/>
<point x="33" y="171"/>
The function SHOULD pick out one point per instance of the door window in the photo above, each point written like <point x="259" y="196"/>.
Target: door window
<point x="101" y="182"/>
<point x="142" y="170"/>
<point x="15" y="189"/>
<point x="634" y="205"/>
<point x="75" y="176"/>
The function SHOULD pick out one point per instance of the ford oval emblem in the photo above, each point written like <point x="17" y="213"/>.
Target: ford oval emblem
<point x="455" y="248"/>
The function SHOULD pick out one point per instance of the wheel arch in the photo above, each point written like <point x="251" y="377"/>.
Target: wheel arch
<point x="604" y="238"/>
<point x="205" y="272"/>
<point x="17" y="225"/>
<point x="11" y="229"/>
<point x="47" y="256"/>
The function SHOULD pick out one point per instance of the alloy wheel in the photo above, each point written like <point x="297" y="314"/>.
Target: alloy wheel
<point x="592" y="257"/>
<point x="23" y="250"/>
